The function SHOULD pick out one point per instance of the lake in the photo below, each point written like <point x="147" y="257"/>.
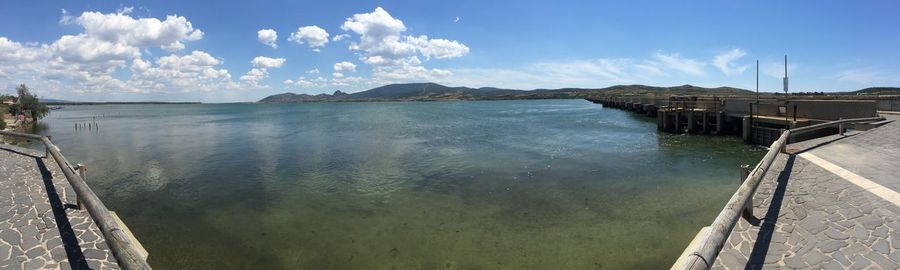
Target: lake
<point x="537" y="184"/>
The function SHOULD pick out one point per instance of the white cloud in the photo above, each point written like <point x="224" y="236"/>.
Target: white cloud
<point x="394" y="56"/>
<point x="267" y="62"/>
<point x="174" y="73"/>
<point x="93" y="61"/>
<point x="456" y="20"/>
<point x="268" y="37"/>
<point x="82" y="48"/>
<point x="313" y="71"/>
<point x="340" y="37"/>
<point x="679" y="63"/>
<point x="337" y="75"/>
<point x="313" y="35"/>
<point x="865" y="76"/>
<point x="143" y="32"/>
<point x="724" y="61"/>
<point x="438" y="48"/>
<point x="255" y="75"/>
<point x="260" y="70"/>
<point x="344" y="66"/>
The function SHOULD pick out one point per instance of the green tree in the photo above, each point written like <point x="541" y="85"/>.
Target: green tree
<point x="29" y="103"/>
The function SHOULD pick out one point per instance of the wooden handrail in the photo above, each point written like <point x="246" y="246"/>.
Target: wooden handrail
<point x="703" y="255"/>
<point x="125" y="252"/>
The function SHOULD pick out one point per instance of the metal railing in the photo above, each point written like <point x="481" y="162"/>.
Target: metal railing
<point x="125" y="252"/>
<point x="704" y="253"/>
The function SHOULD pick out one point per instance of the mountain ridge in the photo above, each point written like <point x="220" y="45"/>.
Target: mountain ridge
<point x="430" y="91"/>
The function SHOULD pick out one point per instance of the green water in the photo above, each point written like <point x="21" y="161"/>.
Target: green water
<point x="544" y="184"/>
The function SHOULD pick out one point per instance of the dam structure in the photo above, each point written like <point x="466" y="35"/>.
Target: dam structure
<point x="826" y="195"/>
<point x="757" y="121"/>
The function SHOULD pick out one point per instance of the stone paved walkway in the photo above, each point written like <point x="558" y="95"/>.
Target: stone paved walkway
<point x="808" y="217"/>
<point x="39" y="227"/>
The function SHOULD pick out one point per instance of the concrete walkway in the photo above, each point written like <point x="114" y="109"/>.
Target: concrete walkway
<point x="830" y="204"/>
<point x="39" y="229"/>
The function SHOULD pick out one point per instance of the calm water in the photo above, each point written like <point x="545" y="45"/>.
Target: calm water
<point x="548" y="184"/>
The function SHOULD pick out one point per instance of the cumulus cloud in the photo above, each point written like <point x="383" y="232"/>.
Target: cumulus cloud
<point x="724" y="61"/>
<point x="268" y="37"/>
<point x="313" y="71"/>
<point x="313" y="35"/>
<point x="267" y="62"/>
<point x="394" y="57"/>
<point x="92" y="61"/>
<point x="260" y="70"/>
<point x="142" y="32"/>
<point x="438" y="48"/>
<point x="344" y="66"/>
<point x="194" y="71"/>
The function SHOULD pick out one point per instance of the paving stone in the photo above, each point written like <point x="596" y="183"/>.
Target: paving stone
<point x="881" y="260"/>
<point x="841" y="258"/>
<point x="815" y="257"/>
<point x="832" y="265"/>
<point x="859" y="232"/>
<point x="813" y="225"/>
<point x="831" y="245"/>
<point x="11" y="236"/>
<point x="795" y="262"/>
<point x="836" y="235"/>
<point x="870" y="221"/>
<point x="828" y="222"/>
<point x="29" y="237"/>
<point x="881" y="246"/>
<point x="36" y="263"/>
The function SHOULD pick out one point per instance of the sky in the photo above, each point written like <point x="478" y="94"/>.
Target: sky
<point x="236" y="51"/>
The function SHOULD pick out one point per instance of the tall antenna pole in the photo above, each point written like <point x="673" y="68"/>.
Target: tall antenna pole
<point x="757" y="81"/>
<point x="785" y="75"/>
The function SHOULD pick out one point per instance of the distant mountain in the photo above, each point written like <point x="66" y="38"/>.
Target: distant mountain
<point x="878" y="91"/>
<point x="433" y="91"/>
<point x="51" y="100"/>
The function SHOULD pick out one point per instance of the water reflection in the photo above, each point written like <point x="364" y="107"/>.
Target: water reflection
<point x="502" y="184"/>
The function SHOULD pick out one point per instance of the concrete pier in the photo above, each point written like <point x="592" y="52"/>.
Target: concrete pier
<point x="728" y="115"/>
<point x="828" y="203"/>
<point x="39" y="227"/>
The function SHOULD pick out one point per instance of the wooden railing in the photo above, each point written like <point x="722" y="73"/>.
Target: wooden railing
<point x="123" y="249"/>
<point x="702" y="252"/>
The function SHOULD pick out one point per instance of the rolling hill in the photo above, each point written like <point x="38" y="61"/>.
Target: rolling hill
<point x="434" y="92"/>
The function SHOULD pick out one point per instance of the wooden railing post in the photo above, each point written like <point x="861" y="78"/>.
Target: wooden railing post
<point x="748" y="207"/>
<point x="47" y="148"/>
<point x="82" y="170"/>
<point x="841" y="127"/>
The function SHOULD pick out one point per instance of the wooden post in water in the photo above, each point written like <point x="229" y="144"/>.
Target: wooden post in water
<point x="718" y="123"/>
<point x="691" y="121"/>
<point x="748" y="206"/>
<point x="705" y="125"/>
<point x="746" y="125"/>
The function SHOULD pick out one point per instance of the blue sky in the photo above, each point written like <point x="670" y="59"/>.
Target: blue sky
<point x="215" y="52"/>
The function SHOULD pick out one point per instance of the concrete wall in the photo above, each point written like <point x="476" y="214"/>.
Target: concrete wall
<point x="812" y="109"/>
<point x="888" y="105"/>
